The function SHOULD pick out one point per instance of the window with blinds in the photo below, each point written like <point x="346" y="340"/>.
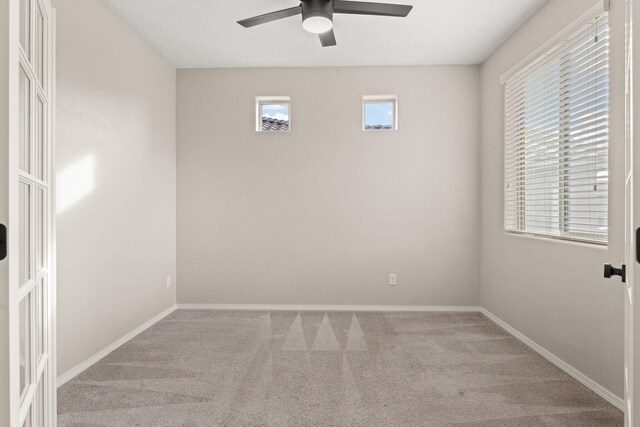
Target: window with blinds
<point x="557" y="139"/>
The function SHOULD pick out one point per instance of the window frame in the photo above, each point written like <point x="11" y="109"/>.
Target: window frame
<point x="380" y="99"/>
<point x="528" y="65"/>
<point x="271" y="100"/>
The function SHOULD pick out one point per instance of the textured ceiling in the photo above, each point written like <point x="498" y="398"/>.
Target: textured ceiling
<point x="204" y="33"/>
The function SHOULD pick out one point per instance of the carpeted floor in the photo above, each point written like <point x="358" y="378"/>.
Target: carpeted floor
<point x="209" y="368"/>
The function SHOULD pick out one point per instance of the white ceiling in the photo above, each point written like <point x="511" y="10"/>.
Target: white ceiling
<point x="204" y="33"/>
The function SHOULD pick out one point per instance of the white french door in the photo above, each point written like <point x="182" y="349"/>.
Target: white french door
<point x="31" y="223"/>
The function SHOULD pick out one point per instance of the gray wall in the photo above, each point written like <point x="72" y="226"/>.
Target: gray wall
<point x="553" y="291"/>
<point x="323" y="214"/>
<point x="116" y="180"/>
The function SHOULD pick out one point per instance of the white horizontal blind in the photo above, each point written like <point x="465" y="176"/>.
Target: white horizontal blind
<point x="557" y="140"/>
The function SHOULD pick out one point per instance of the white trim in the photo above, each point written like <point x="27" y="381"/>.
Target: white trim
<point x="600" y="7"/>
<point x="313" y="307"/>
<point x="76" y="370"/>
<point x="577" y="375"/>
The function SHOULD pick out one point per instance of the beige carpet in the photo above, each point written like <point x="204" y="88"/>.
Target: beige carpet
<point x="208" y="368"/>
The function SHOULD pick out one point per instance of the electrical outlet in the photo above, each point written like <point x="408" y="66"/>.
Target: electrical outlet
<point x="168" y="281"/>
<point x="392" y="279"/>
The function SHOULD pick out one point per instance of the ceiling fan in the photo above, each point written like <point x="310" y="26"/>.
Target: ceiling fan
<point x="317" y="15"/>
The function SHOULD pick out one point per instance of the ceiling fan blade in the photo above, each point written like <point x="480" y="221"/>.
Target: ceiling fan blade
<point x="328" y="38"/>
<point x="268" y="17"/>
<point x="369" y="8"/>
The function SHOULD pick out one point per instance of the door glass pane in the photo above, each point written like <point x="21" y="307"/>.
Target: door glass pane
<point x="39" y="406"/>
<point x="25" y="121"/>
<point x="40" y="138"/>
<point x="27" y="421"/>
<point x="37" y="293"/>
<point x="40" y="46"/>
<point x="25" y="344"/>
<point x="25" y="233"/>
<point x="43" y="315"/>
<point x="34" y="409"/>
<point x="40" y="237"/>
<point x="25" y="26"/>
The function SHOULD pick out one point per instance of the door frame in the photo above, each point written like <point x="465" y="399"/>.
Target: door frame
<point x="12" y="232"/>
<point x="53" y="289"/>
<point x="629" y="287"/>
<point x="632" y="218"/>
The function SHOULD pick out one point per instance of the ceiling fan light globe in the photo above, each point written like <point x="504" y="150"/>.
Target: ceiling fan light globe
<point x="317" y="24"/>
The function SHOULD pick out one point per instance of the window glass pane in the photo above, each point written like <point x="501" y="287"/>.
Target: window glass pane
<point x="585" y="190"/>
<point x="25" y="121"/>
<point x="542" y="158"/>
<point x="379" y="115"/>
<point x="274" y="116"/>
<point x="25" y="343"/>
<point x="557" y="140"/>
<point x="25" y="233"/>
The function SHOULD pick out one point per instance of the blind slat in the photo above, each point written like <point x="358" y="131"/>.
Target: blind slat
<point x="576" y="97"/>
<point x="594" y="65"/>
<point x="548" y="75"/>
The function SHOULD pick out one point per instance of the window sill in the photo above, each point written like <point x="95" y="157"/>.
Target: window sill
<point x="559" y="239"/>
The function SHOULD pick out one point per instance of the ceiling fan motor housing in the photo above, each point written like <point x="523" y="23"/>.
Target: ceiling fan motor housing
<point x="323" y="8"/>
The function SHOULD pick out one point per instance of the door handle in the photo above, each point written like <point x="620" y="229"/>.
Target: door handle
<point x="3" y="242"/>
<point x="638" y="244"/>
<point x="610" y="271"/>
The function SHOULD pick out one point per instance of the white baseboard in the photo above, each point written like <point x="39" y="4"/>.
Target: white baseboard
<point x="294" y="307"/>
<point x="588" y="382"/>
<point x="76" y="370"/>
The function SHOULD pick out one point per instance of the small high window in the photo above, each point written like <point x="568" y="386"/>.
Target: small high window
<point x="380" y="112"/>
<point x="273" y="113"/>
